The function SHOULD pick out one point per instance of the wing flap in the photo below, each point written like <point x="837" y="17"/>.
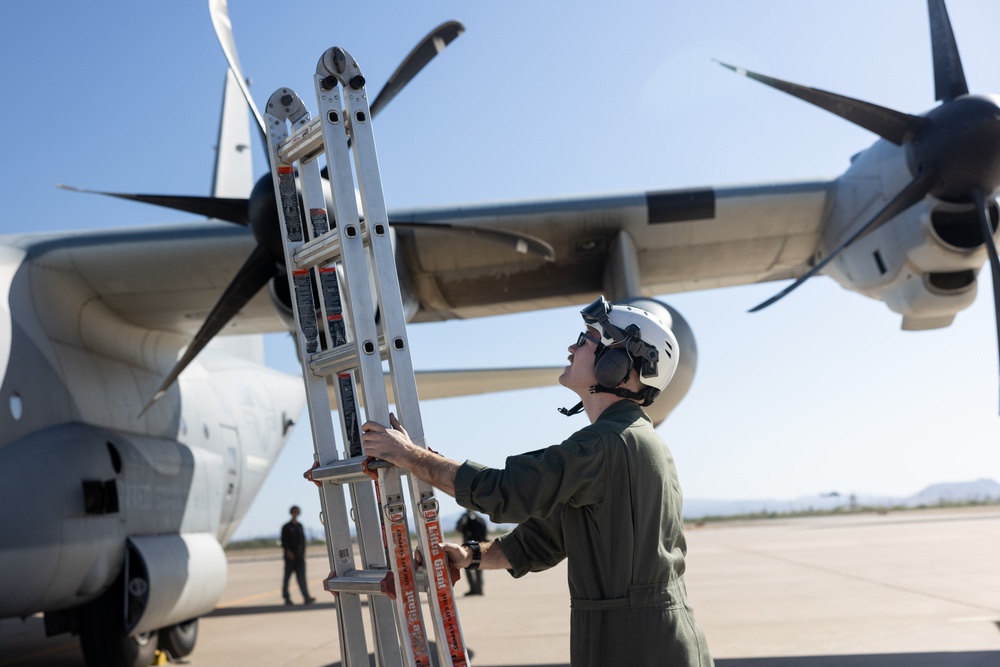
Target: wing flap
<point x="687" y="239"/>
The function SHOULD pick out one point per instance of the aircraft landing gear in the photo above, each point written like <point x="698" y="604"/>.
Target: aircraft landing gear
<point x="179" y="640"/>
<point x="102" y="633"/>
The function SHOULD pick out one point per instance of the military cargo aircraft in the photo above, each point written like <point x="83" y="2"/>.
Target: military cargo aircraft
<point x="115" y="508"/>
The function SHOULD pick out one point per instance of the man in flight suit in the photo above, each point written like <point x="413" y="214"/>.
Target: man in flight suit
<point x="607" y="499"/>
<point x="293" y="544"/>
<point x="473" y="529"/>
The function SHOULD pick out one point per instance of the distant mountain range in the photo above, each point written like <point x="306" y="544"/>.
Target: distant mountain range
<point x="980" y="490"/>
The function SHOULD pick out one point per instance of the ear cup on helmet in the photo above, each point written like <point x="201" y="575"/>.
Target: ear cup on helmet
<point x="612" y="367"/>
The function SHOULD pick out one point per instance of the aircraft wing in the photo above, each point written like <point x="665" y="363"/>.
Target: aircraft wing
<point x="684" y="240"/>
<point x="169" y="277"/>
<point x="469" y="382"/>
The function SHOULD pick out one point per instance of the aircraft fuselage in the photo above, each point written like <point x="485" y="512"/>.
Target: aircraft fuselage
<point x="81" y="472"/>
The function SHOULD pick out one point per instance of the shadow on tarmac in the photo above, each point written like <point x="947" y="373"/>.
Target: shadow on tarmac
<point x="220" y="612"/>
<point x="434" y="658"/>
<point x="951" y="659"/>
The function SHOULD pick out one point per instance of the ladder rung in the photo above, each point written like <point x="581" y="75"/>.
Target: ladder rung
<point x="330" y="362"/>
<point x="341" y="358"/>
<point x="304" y="144"/>
<point x="345" y="471"/>
<point x="321" y="250"/>
<point x="362" y="582"/>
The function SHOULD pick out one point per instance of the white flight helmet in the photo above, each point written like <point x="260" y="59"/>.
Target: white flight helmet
<point x="631" y="338"/>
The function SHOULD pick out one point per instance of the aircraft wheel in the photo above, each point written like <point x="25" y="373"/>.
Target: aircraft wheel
<point x="179" y="640"/>
<point x="102" y="634"/>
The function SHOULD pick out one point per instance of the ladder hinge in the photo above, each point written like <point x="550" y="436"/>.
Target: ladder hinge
<point x="362" y="582"/>
<point x="429" y="509"/>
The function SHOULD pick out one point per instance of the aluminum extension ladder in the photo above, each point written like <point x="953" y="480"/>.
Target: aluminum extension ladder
<point x="346" y="298"/>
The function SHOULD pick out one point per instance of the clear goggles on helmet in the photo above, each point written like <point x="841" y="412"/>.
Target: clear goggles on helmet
<point x="597" y="315"/>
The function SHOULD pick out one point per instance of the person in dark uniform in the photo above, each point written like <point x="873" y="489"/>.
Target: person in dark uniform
<point x="293" y="544"/>
<point x="473" y="529"/>
<point x="606" y="499"/>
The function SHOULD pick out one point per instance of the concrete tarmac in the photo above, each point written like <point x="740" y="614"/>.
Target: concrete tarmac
<point x="914" y="589"/>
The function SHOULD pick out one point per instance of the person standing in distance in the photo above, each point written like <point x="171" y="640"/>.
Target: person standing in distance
<point x="293" y="544"/>
<point x="607" y="499"/>
<point x="473" y="529"/>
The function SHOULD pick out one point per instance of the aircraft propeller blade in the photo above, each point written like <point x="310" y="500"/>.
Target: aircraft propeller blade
<point x="949" y="77"/>
<point x="261" y="266"/>
<point x="916" y="190"/>
<point x="987" y="231"/>
<point x="221" y="208"/>
<point x="431" y="45"/>
<point x="252" y="276"/>
<point x="889" y="124"/>
<point x="224" y="32"/>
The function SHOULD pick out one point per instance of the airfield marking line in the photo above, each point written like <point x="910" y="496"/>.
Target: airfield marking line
<point x="250" y="598"/>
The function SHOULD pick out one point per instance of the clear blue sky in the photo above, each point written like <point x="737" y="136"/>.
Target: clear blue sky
<point x="822" y="392"/>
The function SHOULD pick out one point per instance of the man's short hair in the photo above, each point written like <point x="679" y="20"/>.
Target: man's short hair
<point x="293" y="509"/>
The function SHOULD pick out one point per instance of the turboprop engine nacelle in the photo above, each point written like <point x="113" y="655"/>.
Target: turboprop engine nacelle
<point x="684" y="375"/>
<point x="923" y="266"/>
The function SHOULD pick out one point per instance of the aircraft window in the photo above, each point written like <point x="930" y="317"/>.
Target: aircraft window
<point x="16" y="407"/>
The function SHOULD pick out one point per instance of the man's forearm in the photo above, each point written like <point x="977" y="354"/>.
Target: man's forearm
<point x="493" y="557"/>
<point x="432" y="468"/>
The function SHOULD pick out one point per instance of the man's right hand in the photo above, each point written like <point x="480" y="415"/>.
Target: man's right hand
<point x="454" y="570"/>
<point x="458" y="556"/>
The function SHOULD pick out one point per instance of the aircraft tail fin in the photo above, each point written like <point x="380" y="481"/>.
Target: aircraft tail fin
<point x="233" y="174"/>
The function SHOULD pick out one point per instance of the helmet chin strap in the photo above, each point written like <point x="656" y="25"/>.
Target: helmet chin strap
<point x="646" y="396"/>
<point x="575" y="410"/>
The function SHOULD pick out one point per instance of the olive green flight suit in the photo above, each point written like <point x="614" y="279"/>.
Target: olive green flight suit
<point x="608" y="500"/>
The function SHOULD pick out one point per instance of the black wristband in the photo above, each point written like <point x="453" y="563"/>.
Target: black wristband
<point x="477" y="553"/>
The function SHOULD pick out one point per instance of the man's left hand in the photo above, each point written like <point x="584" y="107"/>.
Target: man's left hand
<point x="388" y="443"/>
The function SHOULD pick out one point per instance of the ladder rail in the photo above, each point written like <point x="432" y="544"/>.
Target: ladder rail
<point x="350" y="320"/>
<point x="349" y="608"/>
<point x="363" y="308"/>
<point x="444" y="614"/>
<point x="371" y="539"/>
